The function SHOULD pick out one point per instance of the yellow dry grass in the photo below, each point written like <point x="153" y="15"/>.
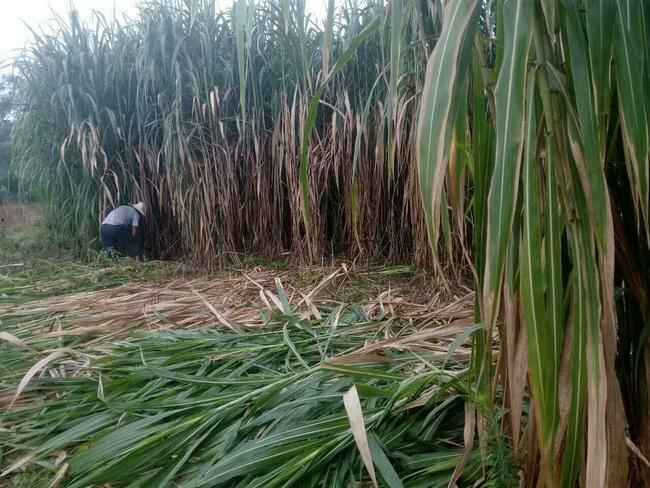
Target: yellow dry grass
<point x="237" y="300"/>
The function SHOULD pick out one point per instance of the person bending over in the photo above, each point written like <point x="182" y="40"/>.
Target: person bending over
<point x="122" y="231"/>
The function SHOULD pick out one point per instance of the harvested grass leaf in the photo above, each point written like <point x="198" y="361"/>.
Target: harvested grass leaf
<point x="34" y="370"/>
<point x="355" y="416"/>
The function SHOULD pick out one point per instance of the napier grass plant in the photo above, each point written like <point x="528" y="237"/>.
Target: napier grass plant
<point x="548" y="118"/>
<point x="258" y="129"/>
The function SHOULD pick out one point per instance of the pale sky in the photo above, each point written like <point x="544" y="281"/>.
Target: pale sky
<point x="15" y="13"/>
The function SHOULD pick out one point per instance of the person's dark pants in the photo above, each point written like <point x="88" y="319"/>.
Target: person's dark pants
<point x="118" y="239"/>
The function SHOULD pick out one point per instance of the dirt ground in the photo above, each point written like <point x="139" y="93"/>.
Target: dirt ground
<point x="17" y="215"/>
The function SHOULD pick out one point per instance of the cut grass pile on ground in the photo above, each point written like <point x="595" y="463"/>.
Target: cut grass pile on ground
<point x="217" y="408"/>
<point x="248" y="379"/>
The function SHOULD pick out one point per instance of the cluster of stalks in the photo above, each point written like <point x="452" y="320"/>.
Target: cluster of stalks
<point x="254" y="130"/>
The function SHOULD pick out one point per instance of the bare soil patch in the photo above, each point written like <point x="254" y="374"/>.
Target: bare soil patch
<point x="13" y="215"/>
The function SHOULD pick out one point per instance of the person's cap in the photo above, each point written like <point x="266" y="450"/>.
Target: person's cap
<point x="140" y="207"/>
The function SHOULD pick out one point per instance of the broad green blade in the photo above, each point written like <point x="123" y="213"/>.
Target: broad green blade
<point x="590" y="164"/>
<point x="396" y="41"/>
<point x="510" y="132"/>
<point x="445" y="69"/>
<point x="600" y="32"/>
<point x="542" y="359"/>
<point x="633" y="98"/>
